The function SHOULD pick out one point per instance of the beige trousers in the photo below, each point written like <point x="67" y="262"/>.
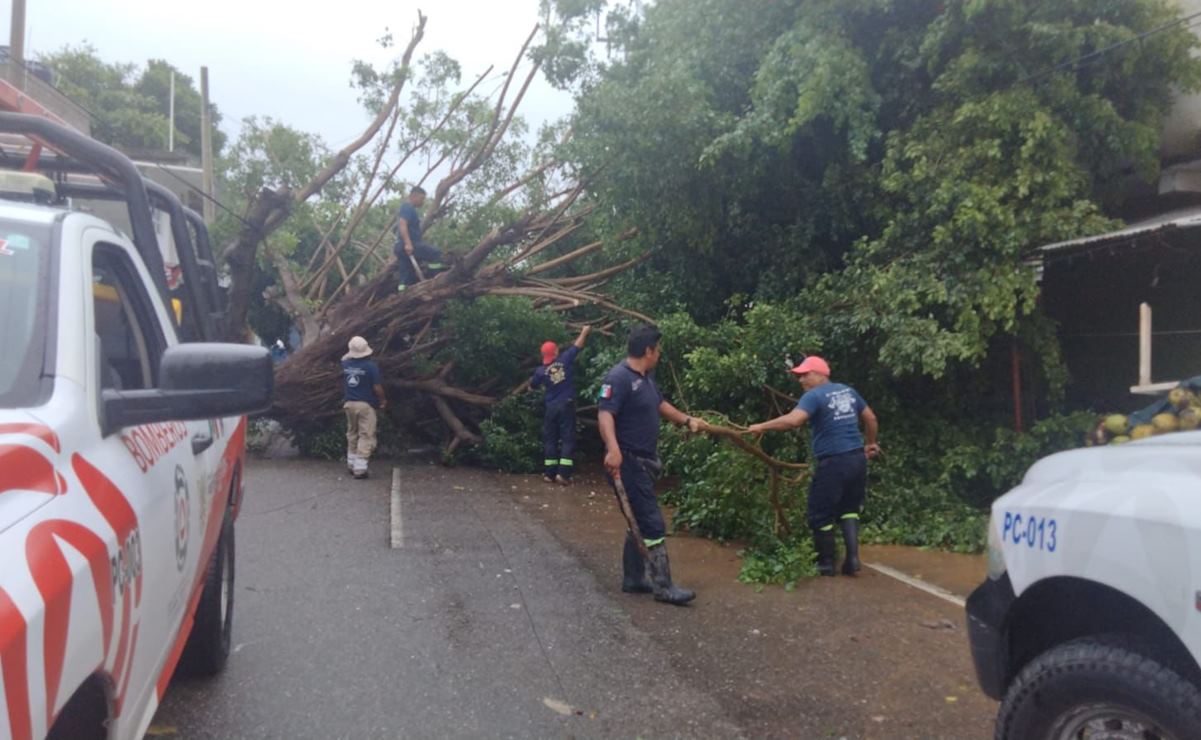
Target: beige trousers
<point x="360" y="430"/>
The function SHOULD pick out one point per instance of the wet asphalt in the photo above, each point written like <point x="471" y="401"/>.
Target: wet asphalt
<point x="480" y="625"/>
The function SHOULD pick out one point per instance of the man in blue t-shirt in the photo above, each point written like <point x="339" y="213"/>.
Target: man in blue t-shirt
<point x="409" y="244"/>
<point x="630" y="408"/>
<point x="557" y="375"/>
<point x="363" y="393"/>
<point x="834" y="412"/>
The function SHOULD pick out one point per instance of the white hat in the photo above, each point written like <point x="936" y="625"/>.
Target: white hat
<point x="358" y="348"/>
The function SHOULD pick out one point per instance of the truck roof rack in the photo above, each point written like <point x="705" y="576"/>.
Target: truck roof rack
<point x="121" y="180"/>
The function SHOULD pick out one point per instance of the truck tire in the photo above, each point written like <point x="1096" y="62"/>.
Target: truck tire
<point x="1092" y="685"/>
<point x="208" y="645"/>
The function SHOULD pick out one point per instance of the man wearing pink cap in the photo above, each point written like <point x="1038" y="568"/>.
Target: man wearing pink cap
<point x="839" y="483"/>
<point x="557" y="375"/>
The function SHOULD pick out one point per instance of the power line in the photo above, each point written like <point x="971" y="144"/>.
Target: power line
<point x="1075" y="64"/>
<point x="206" y="196"/>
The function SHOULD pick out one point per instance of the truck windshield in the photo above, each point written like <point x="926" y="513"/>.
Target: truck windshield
<point x="24" y="260"/>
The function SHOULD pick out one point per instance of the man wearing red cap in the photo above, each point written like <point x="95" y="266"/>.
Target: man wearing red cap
<point x="839" y="483"/>
<point x="557" y="375"/>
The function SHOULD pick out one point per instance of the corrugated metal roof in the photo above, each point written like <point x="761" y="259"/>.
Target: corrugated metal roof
<point x="1188" y="218"/>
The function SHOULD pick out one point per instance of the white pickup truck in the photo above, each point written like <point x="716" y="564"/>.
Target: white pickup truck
<point x="121" y="447"/>
<point x="1089" y="624"/>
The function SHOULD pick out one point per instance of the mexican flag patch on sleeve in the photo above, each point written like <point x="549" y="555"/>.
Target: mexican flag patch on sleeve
<point x="606" y="391"/>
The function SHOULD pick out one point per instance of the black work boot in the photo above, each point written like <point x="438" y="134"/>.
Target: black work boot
<point x="850" y="538"/>
<point x="660" y="572"/>
<point x="633" y="565"/>
<point x="827" y="549"/>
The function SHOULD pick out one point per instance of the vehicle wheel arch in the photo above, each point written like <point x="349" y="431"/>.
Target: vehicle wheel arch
<point x="88" y="712"/>
<point x="1057" y="610"/>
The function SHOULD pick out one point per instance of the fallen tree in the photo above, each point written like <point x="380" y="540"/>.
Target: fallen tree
<point x="406" y="331"/>
<point x="344" y="283"/>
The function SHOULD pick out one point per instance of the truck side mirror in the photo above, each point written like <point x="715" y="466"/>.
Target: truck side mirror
<point x="201" y="380"/>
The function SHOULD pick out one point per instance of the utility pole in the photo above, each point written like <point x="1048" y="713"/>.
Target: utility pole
<point x="206" y="146"/>
<point x="171" y="116"/>
<point x="16" y="42"/>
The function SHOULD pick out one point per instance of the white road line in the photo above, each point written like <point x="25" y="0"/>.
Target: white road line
<point x="931" y="589"/>
<point x="398" y="530"/>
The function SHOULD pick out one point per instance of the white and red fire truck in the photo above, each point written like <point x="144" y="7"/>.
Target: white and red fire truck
<point x="122" y="434"/>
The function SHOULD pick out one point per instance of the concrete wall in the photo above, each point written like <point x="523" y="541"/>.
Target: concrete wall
<point x="48" y="96"/>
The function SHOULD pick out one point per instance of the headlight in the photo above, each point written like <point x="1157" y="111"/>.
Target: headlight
<point x="996" y="557"/>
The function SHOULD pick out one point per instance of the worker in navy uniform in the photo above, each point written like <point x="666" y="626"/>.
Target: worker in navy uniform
<point x="557" y="376"/>
<point x="630" y="408"/>
<point x="834" y="411"/>
<point x="409" y="243"/>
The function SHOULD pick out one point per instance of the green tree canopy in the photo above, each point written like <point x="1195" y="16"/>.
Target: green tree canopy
<point x="886" y="163"/>
<point x="129" y="105"/>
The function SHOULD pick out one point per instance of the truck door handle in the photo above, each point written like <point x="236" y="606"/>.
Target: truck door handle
<point x="201" y="441"/>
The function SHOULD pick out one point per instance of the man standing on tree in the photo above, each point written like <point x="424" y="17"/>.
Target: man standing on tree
<point x="363" y="394"/>
<point x="839" y="483"/>
<point x="630" y="408"/>
<point x="557" y="375"/>
<point x="410" y="246"/>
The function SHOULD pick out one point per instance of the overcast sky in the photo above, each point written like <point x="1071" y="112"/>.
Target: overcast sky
<point x="289" y="60"/>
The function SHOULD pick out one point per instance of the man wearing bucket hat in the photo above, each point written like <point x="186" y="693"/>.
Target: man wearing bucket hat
<point x="839" y="484"/>
<point x="363" y="394"/>
<point x="557" y="375"/>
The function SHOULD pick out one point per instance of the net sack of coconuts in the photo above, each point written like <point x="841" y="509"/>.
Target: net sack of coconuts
<point x="1180" y="411"/>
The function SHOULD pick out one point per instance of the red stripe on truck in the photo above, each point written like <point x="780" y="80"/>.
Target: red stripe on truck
<point x="14" y="668"/>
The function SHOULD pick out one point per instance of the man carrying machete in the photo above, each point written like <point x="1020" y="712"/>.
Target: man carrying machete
<point x="630" y="408"/>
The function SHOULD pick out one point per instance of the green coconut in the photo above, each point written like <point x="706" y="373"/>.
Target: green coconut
<point x="1165" y="423"/>
<point x="1116" y="423"/>
<point x="1181" y="397"/>
<point x="1121" y="439"/>
<point x="1142" y="431"/>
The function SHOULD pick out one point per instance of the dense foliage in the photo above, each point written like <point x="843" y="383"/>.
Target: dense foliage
<point x="866" y="179"/>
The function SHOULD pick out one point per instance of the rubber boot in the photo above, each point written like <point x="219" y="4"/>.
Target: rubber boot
<point x="660" y="573"/>
<point x="827" y="549"/>
<point x="633" y="567"/>
<point x="850" y="538"/>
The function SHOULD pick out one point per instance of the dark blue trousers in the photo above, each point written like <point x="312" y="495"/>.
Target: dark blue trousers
<point x="558" y="438"/>
<point x="640" y="488"/>
<point x="838" y="489"/>
<point x="425" y="253"/>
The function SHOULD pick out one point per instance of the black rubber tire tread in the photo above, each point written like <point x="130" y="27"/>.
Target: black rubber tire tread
<point x="1089" y="669"/>
<point x="208" y="646"/>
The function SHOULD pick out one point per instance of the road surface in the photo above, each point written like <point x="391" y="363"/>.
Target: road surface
<point x="497" y="615"/>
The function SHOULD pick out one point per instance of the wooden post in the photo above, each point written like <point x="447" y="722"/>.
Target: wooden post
<point x="1144" y="345"/>
<point x="206" y="146"/>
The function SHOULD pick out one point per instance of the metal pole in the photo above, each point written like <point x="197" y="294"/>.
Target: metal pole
<point x="171" y="116"/>
<point x="16" y="43"/>
<point x="206" y="146"/>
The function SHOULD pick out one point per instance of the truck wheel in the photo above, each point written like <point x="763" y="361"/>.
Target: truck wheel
<point x="208" y="645"/>
<point x="1087" y="688"/>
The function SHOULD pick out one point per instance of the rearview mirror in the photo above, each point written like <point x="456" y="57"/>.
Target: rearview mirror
<point x="201" y="380"/>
